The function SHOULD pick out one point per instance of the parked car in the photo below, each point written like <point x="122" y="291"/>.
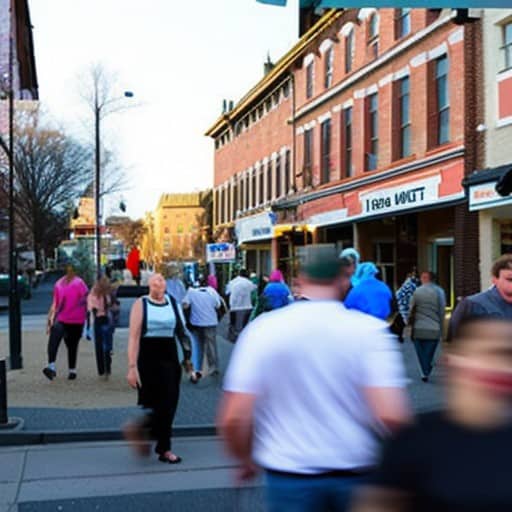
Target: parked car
<point x="23" y="286"/>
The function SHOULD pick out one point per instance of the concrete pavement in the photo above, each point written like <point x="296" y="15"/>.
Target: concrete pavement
<point x="107" y="476"/>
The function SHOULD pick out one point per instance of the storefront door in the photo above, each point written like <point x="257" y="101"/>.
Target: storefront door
<point x="442" y="266"/>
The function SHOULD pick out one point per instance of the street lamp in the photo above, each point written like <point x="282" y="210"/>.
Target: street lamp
<point x="97" y="181"/>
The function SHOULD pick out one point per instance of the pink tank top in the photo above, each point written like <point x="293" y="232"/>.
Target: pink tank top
<point x="70" y="301"/>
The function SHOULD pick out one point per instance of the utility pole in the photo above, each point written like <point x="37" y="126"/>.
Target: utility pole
<point x="14" y="299"/>
<point x="97" y="184"/>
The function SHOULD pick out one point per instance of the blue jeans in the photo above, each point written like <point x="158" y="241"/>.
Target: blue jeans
<point x="425" y="349"/>
<point x="103" y="341"/>
<point x="304" y="493"/>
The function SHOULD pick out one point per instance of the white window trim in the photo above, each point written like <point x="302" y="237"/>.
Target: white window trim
<point x="326" y="45"/>
<point x="365" y="13"/>
<point x="505" y="121"/>
<point x="505" y="75"/>
<point x="402" y="73"/>
<point x="324" y="117"/>
<point x="438" y="51"/>
<point x="308" y="59"/>
<point x="346" y="29"/>
<point x="457" y="36"/>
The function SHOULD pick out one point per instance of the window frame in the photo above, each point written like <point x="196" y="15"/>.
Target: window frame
<point x="349" y="50"/>
<point x="506" y="48"/>
<point x="310" y="79"/>
<point x="328" y="67"/>
<point x="347" y="122"/>
<point x="372" y="132"/>
<point x="404" y="125"/>
<point x="443" y="111"/>
<point x="325" y="151"/>
<point x="373" y="37"/>
<point x="402" y="14"/>
<point x="307" y="168"/>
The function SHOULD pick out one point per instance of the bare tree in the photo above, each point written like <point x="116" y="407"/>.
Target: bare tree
<point x="51" y="169"/>
<point x="131" y="232"/>
<point x="97" y="86"/>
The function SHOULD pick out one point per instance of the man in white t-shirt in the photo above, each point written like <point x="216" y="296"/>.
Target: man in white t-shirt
<point x="239" y="291"/>
<point x="309" y="390"/>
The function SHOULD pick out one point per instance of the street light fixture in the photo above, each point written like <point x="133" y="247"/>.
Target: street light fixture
<point x="97" y="180"/>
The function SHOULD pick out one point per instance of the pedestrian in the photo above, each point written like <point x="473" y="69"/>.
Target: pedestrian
<point x="370" y="295"/>
<point x="204" y="303"/>
<point x="213" y="282"/>
<point x="239" y="291"/>
<point x="308" y="391"/>
<point x="154" y="368"/>
<point x="100" y="306"/>
<point x="354" y="259"/>
<point x="426" y="318"/>
<point x="66" y="321"/>
<point x="174" y="285"/>
<point x="456" y="459"/>
<point x="275" y="295"/>
<point x="494" y="302"/>
<point x="403" y="298"/>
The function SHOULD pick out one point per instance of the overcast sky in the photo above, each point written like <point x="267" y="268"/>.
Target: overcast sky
<point x="180" y="58"/>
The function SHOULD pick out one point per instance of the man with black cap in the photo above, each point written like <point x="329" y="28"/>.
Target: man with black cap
<point x="309" y="390"/>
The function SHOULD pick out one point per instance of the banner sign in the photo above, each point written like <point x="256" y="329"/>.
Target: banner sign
<point x="485" y="196"/>
<point x="220" y="253"/>
<point x="402" y="197"/>
<point x="257" y="227"/>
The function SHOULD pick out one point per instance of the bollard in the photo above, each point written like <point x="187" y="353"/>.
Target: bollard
<point x="4" y="418"/>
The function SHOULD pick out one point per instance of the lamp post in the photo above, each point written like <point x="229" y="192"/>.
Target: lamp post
<point x="97" y="178"/>
<point x="14" y="300"/>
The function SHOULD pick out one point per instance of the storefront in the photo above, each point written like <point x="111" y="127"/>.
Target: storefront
<point x="495" y="217"/>
<point x="402" y="223"/>
<point x="254" y="239"/>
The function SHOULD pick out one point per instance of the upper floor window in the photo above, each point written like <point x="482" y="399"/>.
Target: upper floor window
<point x="279" y="175"/>
<point x="253" y="188"/>
<point x="329" y="62"/>
<point x="402" y="22"/>
<point x="287" y="184"/>
<point x="325" y="174"/>
<point x="372" y="132"/>
<point x="507" y="45"/>
<point x="307" y="170"/>
<point x="310" y="72"/>
<point x="347" y="141"/>
<point x="402" y="143"/>
<point x="269" y="180"/>
<point x="373" y="35"/>
<point x="439" y="108"/>
<point x="261" y="185"/>
<point x="349" y="51"/>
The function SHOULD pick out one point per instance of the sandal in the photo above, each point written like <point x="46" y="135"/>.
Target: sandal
<point x="176" y="460"/>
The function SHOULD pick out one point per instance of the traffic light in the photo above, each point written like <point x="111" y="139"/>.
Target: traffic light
<point x="122" y="206"/>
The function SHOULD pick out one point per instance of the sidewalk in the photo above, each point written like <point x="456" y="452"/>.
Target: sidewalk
<point x="107" y="476"/>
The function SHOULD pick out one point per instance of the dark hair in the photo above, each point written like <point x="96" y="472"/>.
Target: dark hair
<point x="243" y="272"/>
<point x="431" y="274"/>
<point x="502" y="263"/>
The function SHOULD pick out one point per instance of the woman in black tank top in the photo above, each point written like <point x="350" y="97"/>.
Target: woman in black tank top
<point x="154" y="368"/>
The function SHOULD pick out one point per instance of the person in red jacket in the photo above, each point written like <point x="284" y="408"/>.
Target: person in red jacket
<point x="133" y="264"/>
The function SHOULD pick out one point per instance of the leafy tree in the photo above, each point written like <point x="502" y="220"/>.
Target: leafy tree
<point x="84" y="262"/>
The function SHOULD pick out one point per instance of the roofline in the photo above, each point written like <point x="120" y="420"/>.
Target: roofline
<point x="281" y="66"/>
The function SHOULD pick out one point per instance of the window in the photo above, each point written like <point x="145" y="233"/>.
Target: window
<point x="372" y="132"/>
<point x="309" y="79"/>
<point x="329" y="59"/>
<point x="308" y="157"/>
<point x="404" y="118"/>
<point x="261" y="185"/>
<point x="349" y="51"/>
<point x="268" y="104"/>
<point x="235" y="198"/>
<point x="229" y="191"/>
<point x="507" y="45"/>
<point x="242" y="192"/>
<point x="402" y="22"/>
<point x="443" y="100"/>
<point x="347" y="139"/>
<point x="269" y="181"/>
<point x="278" y="176"/>
<point x="373" y="36"/>
<point x="326" y="151"/>
<point x="275" y="98"/>
<point x="286" y="90"/>
<point x="287" y="185"/>
<point x="247" y="190"/>
<point x="253" y="173"/>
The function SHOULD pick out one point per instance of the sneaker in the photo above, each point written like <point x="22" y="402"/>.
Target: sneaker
<point x="72" y="376"/>
<point x="49" y="373"/>
<point x="424" y="379"/>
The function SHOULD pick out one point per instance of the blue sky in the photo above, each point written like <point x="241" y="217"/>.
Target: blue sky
<point x="179" y="58"/>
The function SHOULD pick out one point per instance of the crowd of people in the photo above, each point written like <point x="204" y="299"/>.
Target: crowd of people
<point x="315" y="390"/>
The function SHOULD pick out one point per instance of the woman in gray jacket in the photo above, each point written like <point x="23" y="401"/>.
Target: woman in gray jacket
<point x="427" y="318"/>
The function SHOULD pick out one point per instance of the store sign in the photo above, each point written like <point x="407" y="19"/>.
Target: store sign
<point x="485" y="196"/>
<point x="402" y="197"/>
<point x="333" y="217"/>
<point x="220" y="253"/>
<point x="257" y="227"/>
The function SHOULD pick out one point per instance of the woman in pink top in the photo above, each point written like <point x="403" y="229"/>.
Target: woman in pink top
<point x="66" y="320"/>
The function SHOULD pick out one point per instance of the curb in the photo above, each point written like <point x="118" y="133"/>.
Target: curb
<point x="29" y="437"/>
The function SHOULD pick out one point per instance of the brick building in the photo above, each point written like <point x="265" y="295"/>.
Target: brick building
<point x="365" y="135"/>
<point x="494" y="212"/>
<point x="179" y="226"/>
<point x="14" y="14"/>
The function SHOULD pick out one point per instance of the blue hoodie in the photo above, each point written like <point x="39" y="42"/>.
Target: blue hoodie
<point x="370" y="295"/>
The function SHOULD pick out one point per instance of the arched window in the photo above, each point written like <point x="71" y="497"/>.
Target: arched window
<point x="349" y="51"/>
<point x="373" y="35"/>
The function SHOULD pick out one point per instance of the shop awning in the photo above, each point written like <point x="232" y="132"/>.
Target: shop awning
<point x="489" y="188"/>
